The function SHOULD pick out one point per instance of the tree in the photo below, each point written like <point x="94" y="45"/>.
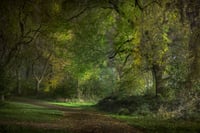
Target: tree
<point x="17" y="33"/>
<point x="189" y="10"/>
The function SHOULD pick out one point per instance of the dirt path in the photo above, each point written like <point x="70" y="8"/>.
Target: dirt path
<point x="80" y="121"/>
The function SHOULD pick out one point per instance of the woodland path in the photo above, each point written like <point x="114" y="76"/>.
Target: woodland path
<point x="76" y="120"/>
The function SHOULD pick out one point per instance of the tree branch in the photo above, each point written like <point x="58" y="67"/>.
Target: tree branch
<point x="119" y="48"/>
<point x="45" y="66"/>
<point x="147" y="5"/>
<point x="77" y="15"/>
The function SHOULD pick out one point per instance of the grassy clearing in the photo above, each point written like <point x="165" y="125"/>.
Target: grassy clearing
<point x="14" y="112"/>
<point x="80" y="105"/>
<point x="152" y="124"/>
<point x="27" y="112"/>
<point x="18" y="117"/>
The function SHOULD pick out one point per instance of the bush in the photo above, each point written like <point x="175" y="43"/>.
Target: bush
<point x="135" y="104"/>
<point x="144" y="109"/>
<point x="66" y="89"/>
<point x="124" y="111"/>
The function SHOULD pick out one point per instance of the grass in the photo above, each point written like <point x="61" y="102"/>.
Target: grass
<point x="150" y="124"/>
<point x="27" y="112"/>
<point x="23" y="129"/>
<point x="13" y="111"/>
<point x="74" y="104"/>
<point x="21" y="112"/>
<point x="80" y="105"/>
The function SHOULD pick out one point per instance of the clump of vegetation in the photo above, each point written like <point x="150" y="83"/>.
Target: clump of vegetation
<point x="132" y="103"/>
<point x="149" y="105"/>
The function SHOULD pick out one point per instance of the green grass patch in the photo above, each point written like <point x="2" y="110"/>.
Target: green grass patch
<point x="26" y="129"/>
<point x="74" y="104"/>
<point x="27" y="112"/>
<point x="152" y="124"/>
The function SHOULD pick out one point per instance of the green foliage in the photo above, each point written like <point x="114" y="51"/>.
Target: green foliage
<point x="6" y="82"/>
<point x="66" y="89"/>
<point x="96" y="84"/>
<point x="3" y="81"/>
<point x="180" y="108"/>
<point x="135" y="104"/>
<point x="133" y="83"/>
<point x="124" y="111"/>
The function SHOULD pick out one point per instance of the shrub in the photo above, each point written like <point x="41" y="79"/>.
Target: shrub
<point x="123" y="111"/>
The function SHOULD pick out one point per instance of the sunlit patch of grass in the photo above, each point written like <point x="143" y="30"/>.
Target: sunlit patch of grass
<point x="152" y="124"/>
<point x="27" y="112"/>
<point x="74" y="104"/>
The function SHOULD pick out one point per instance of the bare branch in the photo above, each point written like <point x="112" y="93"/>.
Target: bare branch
<point x="114" y="5"/>
<point x="39" y="77"/>
<point x="126" y="59"/>
<point x="31" y="38"/>
<point x="147" y="5"/>
<point x="120" y="12"/>
<point x="119" y="50"/>
<point x="137" y="3"/>
<point x="22" y="18"/>
<point x="45" y="66"/>
<point x="34" y="74"/>
<point x="77" y="15"/>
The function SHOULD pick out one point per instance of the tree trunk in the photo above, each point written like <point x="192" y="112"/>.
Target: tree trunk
<point x="157" y="79"/>
<point x="39" y="78"/>
<point x="2" y="97"/>
<point x="194" y="67"/>
<point x="37" y="87"/>
<point x="18" y="82"/>
<point x="78" y="91"/>
<point x="193" y="16"/>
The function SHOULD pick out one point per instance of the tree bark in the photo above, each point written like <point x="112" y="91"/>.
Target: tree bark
<point x="194" y="68"/>
<point x="2" y="97"/>
<point x="18" y="82"/>
<point x="78" y="90"/>
<point x="37" y="87"/>
<point x="189" y="10"/>
<point x="39" y="78"/>
<point x="157" y="79"/>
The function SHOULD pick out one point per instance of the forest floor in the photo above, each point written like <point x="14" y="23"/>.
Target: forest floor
<point x="66" y="119"/>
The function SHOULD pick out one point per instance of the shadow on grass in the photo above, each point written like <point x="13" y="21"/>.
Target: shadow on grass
<point x="23" y="129"/>
<point x="151" y="124"/>
<point x="27" y="112"/>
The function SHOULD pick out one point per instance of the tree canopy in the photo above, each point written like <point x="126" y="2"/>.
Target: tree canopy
<point x="92" y="49"/>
